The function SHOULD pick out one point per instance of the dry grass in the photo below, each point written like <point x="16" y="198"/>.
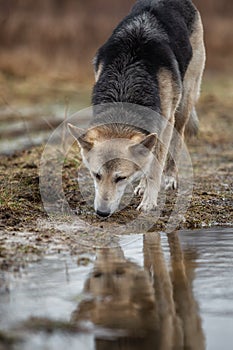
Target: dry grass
<point x="39" y="39"/>
<point x="60" y="38"/>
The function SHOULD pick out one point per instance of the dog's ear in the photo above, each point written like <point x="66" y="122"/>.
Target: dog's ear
<point x="149" y="141"/>
<point x="147" y="144"/>
<point x="80" y="135"/>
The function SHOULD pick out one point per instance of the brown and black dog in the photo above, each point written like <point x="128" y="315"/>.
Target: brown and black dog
<point x="154" y="60"/>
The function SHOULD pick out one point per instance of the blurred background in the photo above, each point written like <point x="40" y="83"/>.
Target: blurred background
<point x="60" y="37"/>
<point x="47" y="48"/>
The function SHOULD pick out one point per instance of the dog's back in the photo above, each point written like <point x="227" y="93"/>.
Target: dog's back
<point x="154" y="35"/>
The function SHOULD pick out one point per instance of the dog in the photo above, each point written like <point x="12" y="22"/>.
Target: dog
<point x="154" y="60"/>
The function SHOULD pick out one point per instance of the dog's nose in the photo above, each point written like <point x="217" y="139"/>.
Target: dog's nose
<point x="103" y="214"/>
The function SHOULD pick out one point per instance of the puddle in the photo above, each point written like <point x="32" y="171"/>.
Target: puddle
<point x="153" y="291"/>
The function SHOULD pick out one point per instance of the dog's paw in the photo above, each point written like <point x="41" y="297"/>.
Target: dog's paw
<point x="147" y="206"/>
<point x="139" y="190"/>
<point x="170" y="183"/>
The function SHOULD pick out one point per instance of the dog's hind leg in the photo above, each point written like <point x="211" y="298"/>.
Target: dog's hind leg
<point x="186" y="121"/>
<point x="192" y="126"/>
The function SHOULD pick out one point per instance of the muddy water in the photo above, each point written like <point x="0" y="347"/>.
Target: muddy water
<point x="147" y="292"/>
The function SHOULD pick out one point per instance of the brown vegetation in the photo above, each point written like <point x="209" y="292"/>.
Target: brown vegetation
<point x="60" y="37"/>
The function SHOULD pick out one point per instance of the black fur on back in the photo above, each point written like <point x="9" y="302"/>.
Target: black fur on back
<point x="154" y="35"/>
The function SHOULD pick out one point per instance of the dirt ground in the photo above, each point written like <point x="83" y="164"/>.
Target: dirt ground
<point x="26" y="232"/>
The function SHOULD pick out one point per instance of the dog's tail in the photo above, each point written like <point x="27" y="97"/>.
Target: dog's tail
<point x="192" y="126"/>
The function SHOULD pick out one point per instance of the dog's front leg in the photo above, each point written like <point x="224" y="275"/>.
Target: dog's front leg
<point x="154" y="174"/>
<point x="151" y="190"/>
<point x="149" y="200"/>
<point x="140" y="189"/>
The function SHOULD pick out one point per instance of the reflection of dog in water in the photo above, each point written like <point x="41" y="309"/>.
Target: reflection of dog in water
<point x="155" y="308"/>
<point x="154" y="58"/>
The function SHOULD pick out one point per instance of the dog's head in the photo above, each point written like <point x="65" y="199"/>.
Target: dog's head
<point x="113" y="162"/>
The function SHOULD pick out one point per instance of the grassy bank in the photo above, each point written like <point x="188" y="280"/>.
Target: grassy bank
<point x="211" y="205"/>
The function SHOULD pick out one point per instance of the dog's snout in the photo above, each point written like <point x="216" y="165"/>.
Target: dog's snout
<point x="103" y="214"/>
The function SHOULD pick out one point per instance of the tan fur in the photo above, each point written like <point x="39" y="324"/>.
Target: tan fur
<point x="107" y="132"/>
<point x="190" y="94"/>
<point x="193" y="76"/>
<point x="169" y="93"/>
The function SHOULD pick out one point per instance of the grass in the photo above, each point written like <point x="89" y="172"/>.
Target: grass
<point x="21" y="209"/>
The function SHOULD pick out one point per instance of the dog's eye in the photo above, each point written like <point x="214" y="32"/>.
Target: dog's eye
<point x="97" y="176"/>
<point x="120" y="178"/>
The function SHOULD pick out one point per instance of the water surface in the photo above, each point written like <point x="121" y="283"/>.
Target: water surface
<point x="150" y="291"/>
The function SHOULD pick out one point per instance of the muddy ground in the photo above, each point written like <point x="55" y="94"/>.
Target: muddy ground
<point x="27" y="232"/>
